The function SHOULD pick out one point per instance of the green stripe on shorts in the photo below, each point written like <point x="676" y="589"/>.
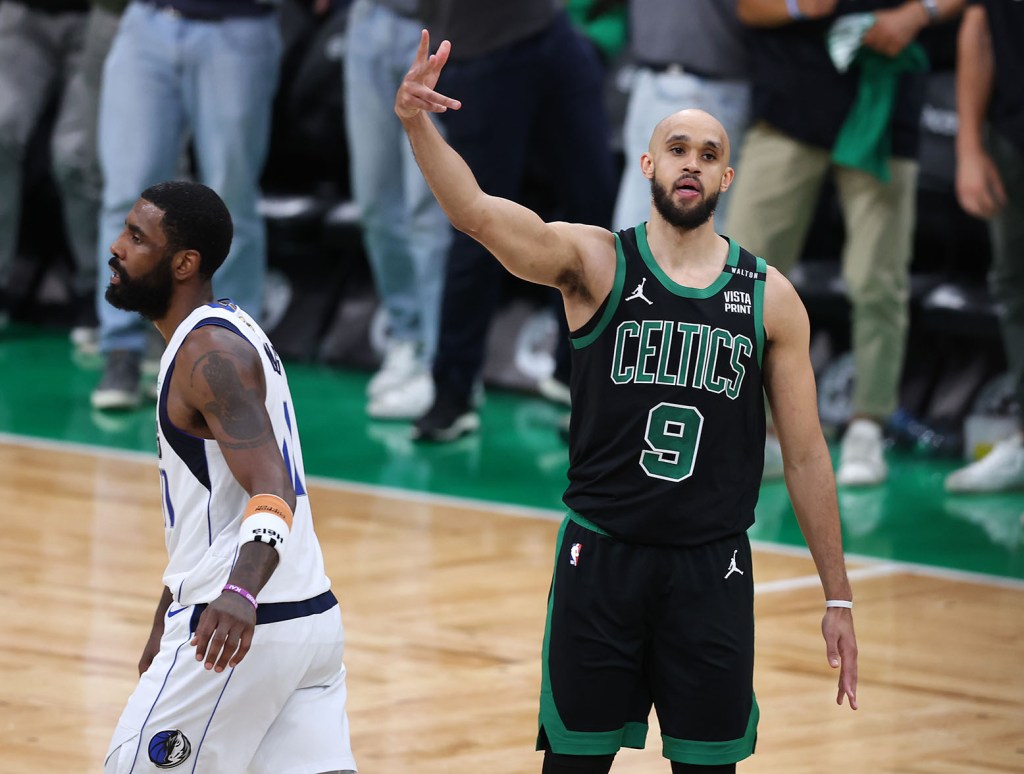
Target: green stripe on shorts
<point x="714" y="753"/>
<point x="561" y="739"/>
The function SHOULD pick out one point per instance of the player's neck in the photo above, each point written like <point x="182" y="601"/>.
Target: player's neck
<point x="685" y="248"/>
<point x="185" y="301"/>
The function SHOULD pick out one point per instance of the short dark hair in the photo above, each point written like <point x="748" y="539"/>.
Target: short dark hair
<point x="195" y="218"/>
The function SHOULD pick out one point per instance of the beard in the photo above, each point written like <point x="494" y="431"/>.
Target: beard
<point x="696" y="215"/>
<point x="149" y="295"/>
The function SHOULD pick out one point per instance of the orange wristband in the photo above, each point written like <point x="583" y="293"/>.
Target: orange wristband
<point x="267" y="519"/>
<point x="272" y="504"/>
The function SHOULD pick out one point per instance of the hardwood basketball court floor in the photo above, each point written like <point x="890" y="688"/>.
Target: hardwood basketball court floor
<point x="441" y="558"/>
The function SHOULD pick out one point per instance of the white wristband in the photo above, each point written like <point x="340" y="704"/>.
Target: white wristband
<point x="839" y="603"/>
<point x="266" y="528"/>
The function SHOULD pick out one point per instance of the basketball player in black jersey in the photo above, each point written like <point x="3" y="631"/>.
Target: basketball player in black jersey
<point x="677" y="334"/>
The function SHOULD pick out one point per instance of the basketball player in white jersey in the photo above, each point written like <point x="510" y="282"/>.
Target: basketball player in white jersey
<point x="243" y="669"/>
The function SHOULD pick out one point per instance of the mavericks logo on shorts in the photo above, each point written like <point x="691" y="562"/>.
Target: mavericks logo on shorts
<point x="168" y="749"/>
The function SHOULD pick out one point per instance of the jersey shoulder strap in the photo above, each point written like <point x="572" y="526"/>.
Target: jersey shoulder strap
<point x="756" y="269"/>
<point x="594" y="327"/>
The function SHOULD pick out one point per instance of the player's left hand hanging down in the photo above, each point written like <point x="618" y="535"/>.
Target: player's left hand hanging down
<point x="841" y="651"/>
<point x="224" y="632"/>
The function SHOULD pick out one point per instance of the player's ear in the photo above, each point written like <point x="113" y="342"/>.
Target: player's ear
<point x="647" y="165"/>
<point x="727" y="179"/>
<point x="185" y="264"/>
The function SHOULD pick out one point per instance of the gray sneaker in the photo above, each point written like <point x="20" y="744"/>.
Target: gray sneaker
<point x="119" y="387"/>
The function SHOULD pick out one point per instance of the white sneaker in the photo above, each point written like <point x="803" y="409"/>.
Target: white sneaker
<point x="555" y="390"/>
<point x="772" y="458"/>
<point x="407" y="400"/>
<point x="861" y="462"/>
<point x="85" y="340"/>
<point x="399" y="365"/>
<point x="999" y="470"/>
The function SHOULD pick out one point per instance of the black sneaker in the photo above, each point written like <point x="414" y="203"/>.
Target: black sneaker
<point x="447" y="419"/>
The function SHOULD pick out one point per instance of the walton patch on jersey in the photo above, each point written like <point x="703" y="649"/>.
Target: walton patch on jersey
<point x="739" y="271"/>
<point x="680" y="354"/>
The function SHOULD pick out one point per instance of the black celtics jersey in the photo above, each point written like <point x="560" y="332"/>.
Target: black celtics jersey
<point x="667" y="430"/>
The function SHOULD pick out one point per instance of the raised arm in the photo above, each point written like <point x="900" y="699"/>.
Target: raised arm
<point x="218" y="392"/>
<point x="578" y="259"/>
<point x="789" y="383"/>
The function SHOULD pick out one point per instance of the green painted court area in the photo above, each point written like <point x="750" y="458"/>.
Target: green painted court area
<point x="517" y="459"/>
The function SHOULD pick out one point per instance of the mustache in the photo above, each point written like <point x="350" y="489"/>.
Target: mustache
<point x="691" y="179"/>
<point x="114" y="264"/>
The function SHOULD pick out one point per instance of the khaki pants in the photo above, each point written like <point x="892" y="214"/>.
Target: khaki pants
<point x="773" y="202"/>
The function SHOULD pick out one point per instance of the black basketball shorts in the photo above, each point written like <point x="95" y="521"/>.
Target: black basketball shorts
<point x="631" y="626"/>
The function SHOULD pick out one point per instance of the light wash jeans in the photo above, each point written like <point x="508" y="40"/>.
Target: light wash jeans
<point x="656" y="95"/>
<point x="168" y="79"/>
<point x="405" y="231"/>
<point x="39" y="53"/>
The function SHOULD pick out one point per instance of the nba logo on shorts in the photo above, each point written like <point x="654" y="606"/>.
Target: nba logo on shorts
<point x="168" y="749"/>
<point x="574" y="554"/>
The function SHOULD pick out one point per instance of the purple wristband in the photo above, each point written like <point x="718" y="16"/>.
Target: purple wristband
<point x="243" y="592"/>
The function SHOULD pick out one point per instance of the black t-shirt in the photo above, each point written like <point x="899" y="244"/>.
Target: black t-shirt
<point x="798" y="90"/>
<point x="1006" y="25"/>
<point x="477" y="28"/>
<point x="223" y="8"/>
<point x="57" y="6"/>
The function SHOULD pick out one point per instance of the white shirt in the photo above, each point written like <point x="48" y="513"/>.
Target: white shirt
<point x="202" y="501"/>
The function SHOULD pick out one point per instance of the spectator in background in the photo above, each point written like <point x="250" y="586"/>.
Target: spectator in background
<point x="603" y="24"/>
<point x="49" y="46"/>
<point x="405" y="232"/>
<point x="532" y="85"/>
<point x="990" y="185"/>
<point x="808" y="122"/>
<point x="180" y="70"/>
<point x="692" y="54"/>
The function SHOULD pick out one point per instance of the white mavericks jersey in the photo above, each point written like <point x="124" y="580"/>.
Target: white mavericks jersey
<point x="203" y="503"/>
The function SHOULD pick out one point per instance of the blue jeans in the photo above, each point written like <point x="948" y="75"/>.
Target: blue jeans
<point x="405" y="231"/>
<point x="169" y="79"/>
<point x="535" y="104"/>
<point x="40" y="52"/>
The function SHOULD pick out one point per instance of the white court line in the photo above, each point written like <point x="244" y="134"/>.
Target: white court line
<point x="812" y="581"/>
<point x="31" y="442"/>
<point x="875" y="567"/>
